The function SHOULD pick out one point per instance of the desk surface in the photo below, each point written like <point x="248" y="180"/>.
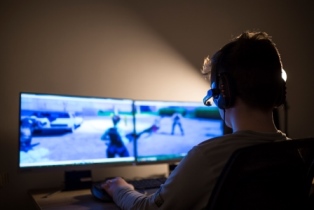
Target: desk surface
<point x="77" y="199"/>
<point x="55" y="199"/>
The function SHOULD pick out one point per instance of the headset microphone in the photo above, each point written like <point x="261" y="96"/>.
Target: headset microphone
<point x="206" y="99"/>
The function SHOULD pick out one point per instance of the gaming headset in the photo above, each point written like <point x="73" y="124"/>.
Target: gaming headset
<point x="221" y="91"/>
<point x="223" y="88"/>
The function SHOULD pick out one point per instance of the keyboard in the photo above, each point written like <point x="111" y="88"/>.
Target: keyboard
<point x="147" y="183"/>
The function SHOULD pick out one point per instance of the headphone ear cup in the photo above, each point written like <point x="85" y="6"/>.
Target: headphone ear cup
<point x="281" y="99"/>
<point x="226" y="98"/>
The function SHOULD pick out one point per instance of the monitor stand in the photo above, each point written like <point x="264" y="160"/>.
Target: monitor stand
<point x="75" y="180"/>
<point x="171" y="167"/>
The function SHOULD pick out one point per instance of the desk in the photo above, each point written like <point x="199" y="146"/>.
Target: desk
<point x="55" y="199"/>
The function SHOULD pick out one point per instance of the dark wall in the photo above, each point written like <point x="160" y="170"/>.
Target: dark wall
<point x="135" y="49"/>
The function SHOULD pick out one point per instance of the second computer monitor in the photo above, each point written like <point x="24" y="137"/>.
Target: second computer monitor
<point x="167" y="130"/>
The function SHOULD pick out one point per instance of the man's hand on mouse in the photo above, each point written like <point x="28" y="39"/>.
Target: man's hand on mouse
<point x="113" y="184"/>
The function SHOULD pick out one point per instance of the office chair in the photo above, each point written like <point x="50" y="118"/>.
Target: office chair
<point x="265" y="177"/>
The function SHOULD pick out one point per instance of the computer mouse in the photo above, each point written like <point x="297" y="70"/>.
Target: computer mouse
<point x="99" y="193"/>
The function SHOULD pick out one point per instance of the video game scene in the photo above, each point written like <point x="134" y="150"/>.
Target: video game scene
<point x="74" y="130"/>
<point x="166" y="131"/>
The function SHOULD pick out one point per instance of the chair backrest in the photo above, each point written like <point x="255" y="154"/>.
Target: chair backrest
<point x="266" y="176"/>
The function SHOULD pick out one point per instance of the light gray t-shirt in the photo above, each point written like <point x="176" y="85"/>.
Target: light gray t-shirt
<point x="189" y="186"/>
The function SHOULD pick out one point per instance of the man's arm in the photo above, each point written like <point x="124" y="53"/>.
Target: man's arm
<point x="187" y="187"/>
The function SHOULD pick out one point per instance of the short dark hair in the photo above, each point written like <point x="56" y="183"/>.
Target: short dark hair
<point x="253" y="62"/>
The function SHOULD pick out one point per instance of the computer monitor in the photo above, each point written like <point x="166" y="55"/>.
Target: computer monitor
<point x="63" y="130"/>
<point x="167" y="130"/>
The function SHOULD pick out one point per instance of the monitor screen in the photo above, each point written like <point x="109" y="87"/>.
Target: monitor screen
<point x="167" y="130"/>
<point x="62" y="130"/>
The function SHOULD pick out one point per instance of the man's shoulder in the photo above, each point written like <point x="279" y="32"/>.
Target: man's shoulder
<point x="219" y="139"/>
<point x="238" y="140"/>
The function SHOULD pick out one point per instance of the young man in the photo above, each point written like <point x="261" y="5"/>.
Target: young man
<point x="246" y="85"/>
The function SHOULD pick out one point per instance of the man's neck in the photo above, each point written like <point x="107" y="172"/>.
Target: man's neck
<point x="244" y="118"/>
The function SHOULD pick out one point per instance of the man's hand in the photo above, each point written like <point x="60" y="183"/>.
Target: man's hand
<point x="112" y="185"/>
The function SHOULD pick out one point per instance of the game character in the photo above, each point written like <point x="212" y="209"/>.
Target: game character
<point x="115" y="143"/>
<point x="176" y="121"/>
<point x="115" y="146"/>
